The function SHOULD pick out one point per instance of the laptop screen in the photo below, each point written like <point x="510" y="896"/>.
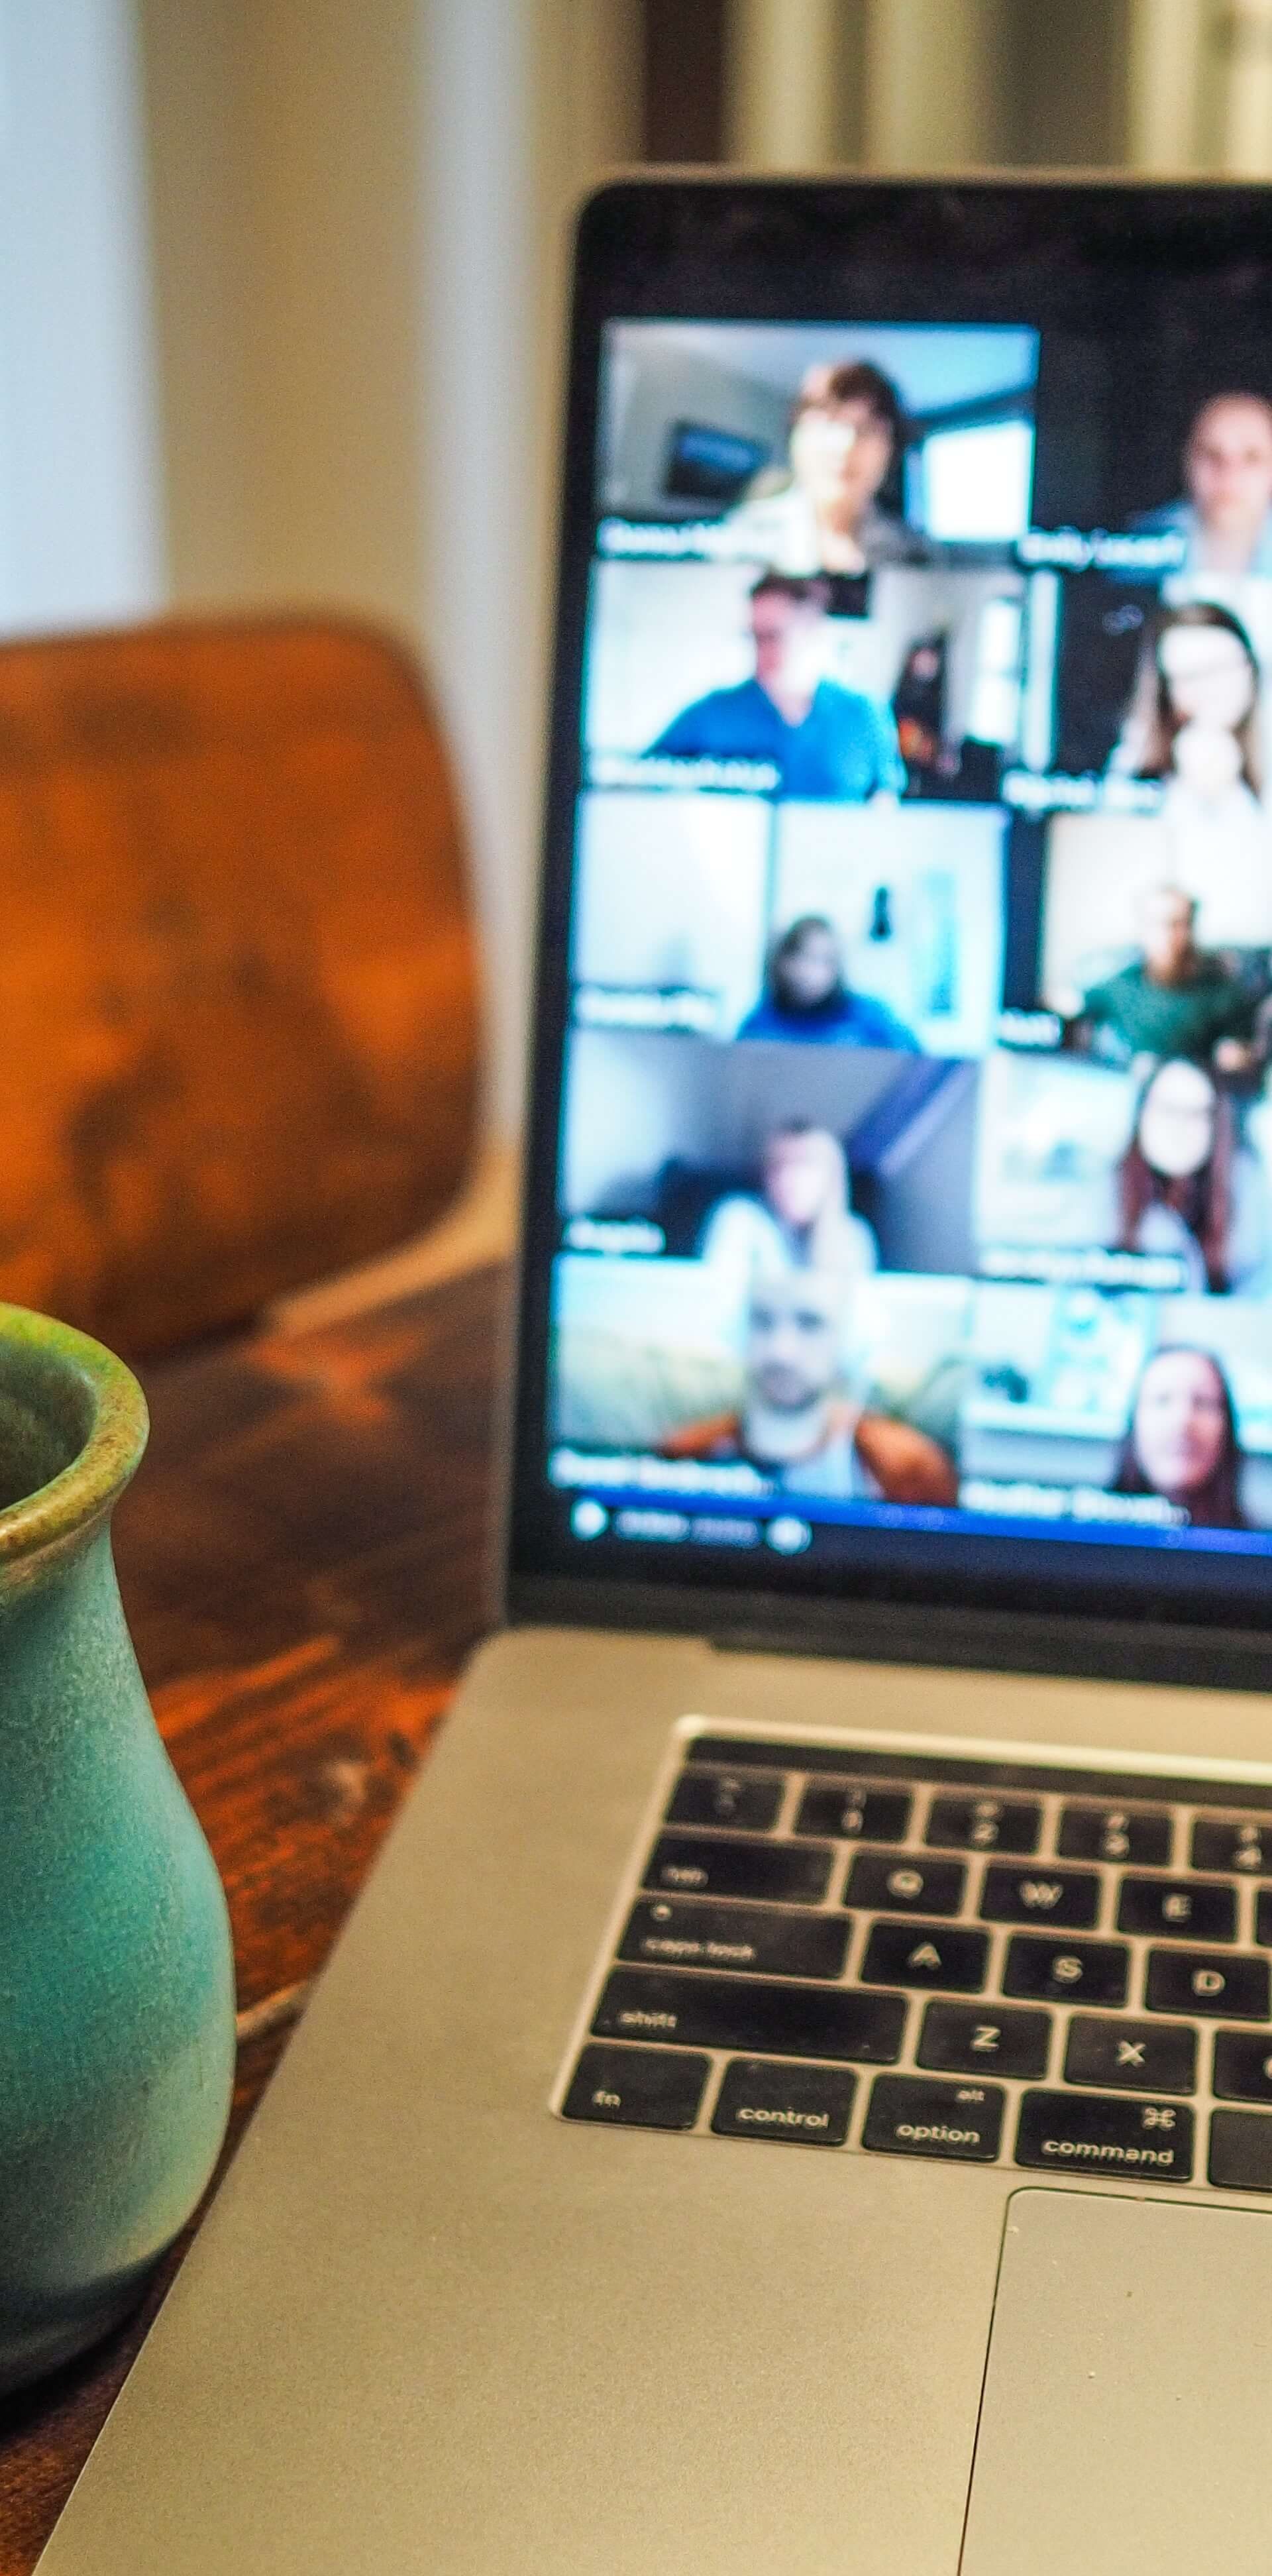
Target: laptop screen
<point x="903" y="1210"/>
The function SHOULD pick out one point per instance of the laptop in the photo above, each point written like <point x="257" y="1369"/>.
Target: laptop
<point x="797" y="2092"/>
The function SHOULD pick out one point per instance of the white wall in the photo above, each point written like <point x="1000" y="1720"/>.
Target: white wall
<point x="360" y="223"/>
<point x="80" y="504"/>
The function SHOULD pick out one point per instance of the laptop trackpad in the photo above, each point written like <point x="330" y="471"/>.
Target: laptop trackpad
<point x="1127" y="2420"/>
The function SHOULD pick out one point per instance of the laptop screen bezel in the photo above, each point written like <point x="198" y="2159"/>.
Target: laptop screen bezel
<point x="700" y="248"/>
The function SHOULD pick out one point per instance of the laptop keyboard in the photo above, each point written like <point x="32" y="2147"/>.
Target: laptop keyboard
<point x="979" y="1962"/>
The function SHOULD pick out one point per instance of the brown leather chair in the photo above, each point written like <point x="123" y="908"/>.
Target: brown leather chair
<point x="237" y="969"/>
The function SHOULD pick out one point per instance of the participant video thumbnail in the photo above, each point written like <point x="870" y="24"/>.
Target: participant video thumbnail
<point x="1158" y="943"/>
<point x="1165" y="693"/>
<point x="671" y="911"/>
<point x="808" y="925"/>
<point x="1088" y="1174"/>
<point x="1166" y="436"/>
<point x="915" y="901"/>
<point x="709" y="674"/>
<point x="1119" y="1411"/>
<point x="768" y="1157"/>
<point x="666" y="1378"/>
<point x="819" y="448"/>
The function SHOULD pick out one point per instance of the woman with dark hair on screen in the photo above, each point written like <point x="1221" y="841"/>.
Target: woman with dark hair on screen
<point x="1194" y="716"/>
<point x="848" y="427"/>
<point x="1182" y="1442"/>
<point x="1174" y="1181"/>
<point x="806" y="998"/>
<point x="1185" y="1188"/>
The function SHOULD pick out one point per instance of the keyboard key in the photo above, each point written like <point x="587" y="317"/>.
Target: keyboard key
<point x="986" y="1824"/>
<point x="1070" y="1896"/>
<point x="925" y="1954"/>
<point x="1060" y="1972"/>
<point x="983" y="2039"/>
<point x="725" y="1798"/>
<point x="785" y="1873"/>
<point x="637" y="2088"/>
<point x="1263" y="1917"/>
<point x="854" y="1815"/>
<point x="1230" y="1989"/>
<point x="893" y="1883"/>
<point x="745" y="1940"/>
<point x="1240" y="2151"/>
<point x="1243" y="2065"/>
<point x="1142" y="2056"/>
<point x="1138" y="1834"/>
<point x="1181" y="1909"/>
<point x="1093" y="2133"/>
<point x="810" y="2105"/>
<point x="960" y="2122"/>
<point x="758" y="2020"/>
<point x="1246" y="1846"/>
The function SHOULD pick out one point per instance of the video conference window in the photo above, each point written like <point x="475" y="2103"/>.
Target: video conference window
<point x="760" y="1158"/>
<point x="878" y="440"/>
<point x="800" y="1384"/>
<point x="1122" y="1410"/>
<point x="916" y="1131"/>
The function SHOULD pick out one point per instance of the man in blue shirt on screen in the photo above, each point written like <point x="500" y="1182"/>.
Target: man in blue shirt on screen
<point x="824" y="740"/>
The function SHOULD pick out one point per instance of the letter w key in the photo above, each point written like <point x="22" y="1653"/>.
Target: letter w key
<point x="1068" y="1896"/>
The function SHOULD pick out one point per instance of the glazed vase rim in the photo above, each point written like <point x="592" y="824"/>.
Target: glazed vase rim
<point x="84" y="1492"/>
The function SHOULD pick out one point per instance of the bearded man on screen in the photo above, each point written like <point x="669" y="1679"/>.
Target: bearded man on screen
<point x="797" y="1426"/>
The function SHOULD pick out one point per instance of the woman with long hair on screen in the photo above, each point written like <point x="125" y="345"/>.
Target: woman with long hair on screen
<point x="1185" y="1188"/>
<point x="1193" y="720"/>
<point x="1182" y="1442"/>
<point x="802" y="1219"/>
<point x="1174" y="1181"/>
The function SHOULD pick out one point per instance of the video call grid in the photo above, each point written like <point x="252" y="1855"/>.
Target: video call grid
<point x="943" y="833"/>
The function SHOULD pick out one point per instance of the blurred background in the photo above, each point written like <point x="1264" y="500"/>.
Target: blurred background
<point x="280" y="310"/>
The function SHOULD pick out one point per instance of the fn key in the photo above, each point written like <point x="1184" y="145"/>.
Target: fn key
<point x="637" y="2088"/>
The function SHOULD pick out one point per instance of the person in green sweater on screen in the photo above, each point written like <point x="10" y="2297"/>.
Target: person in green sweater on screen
<point x="1175" y="1000"/>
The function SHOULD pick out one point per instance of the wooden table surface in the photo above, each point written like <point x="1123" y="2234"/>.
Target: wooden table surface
<point x="304" y="1565"/>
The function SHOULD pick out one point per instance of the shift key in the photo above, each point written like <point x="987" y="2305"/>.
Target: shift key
<point x="692" y="2011"/>
<point x="716" y="1865"/>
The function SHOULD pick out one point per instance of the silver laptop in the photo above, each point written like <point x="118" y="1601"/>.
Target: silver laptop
<point x="797" y="2093"/>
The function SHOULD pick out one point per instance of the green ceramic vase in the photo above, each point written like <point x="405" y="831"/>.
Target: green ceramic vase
<point x="116" y="1975"/>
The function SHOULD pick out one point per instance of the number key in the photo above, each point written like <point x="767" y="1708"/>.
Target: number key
<point x="724" y="1798"/>
<point x="1138" y="1834"/>
<point x="854" y="1815"/>
<point x="986" y="1824"/>
<point x="1246" y="1846"/>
